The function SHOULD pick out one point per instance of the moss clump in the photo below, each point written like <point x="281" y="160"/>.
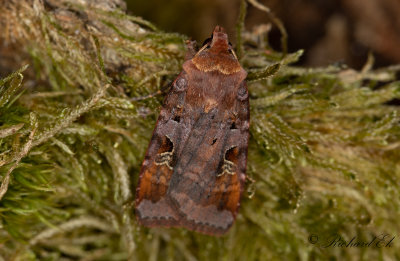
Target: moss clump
<point x="75" y="124"/>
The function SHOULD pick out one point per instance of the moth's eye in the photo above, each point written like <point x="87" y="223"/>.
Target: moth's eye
<point x="207" y="41"/>
<point x="206" y="46"/>
<point x="232" y="53"/>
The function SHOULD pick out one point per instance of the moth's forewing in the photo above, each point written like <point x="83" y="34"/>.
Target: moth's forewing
<point x="153" y="208"/>
<point x="194" y="171"/>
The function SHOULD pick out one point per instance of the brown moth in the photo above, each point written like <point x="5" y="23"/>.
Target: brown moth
<point x="193" y="173"/>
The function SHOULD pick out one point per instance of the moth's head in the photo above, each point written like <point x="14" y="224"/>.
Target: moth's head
<point x="219" y="43"/>
<point x="217" y="54"/>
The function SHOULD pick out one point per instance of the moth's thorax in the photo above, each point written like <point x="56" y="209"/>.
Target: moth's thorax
<point x="212" y="61"/>
<point x="211" y="89"/>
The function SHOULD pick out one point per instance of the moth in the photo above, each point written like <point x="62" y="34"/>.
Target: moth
<point x="193" y="173"/>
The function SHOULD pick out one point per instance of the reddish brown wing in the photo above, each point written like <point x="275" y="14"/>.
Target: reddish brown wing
<point x="153" y="208"/>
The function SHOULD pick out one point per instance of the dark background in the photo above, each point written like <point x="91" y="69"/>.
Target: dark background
<point x="330" y="31"/>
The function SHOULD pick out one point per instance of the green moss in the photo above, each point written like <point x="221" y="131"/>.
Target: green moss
<point x="324" y="147"/>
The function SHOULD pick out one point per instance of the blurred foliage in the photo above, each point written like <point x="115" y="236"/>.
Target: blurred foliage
<point x="328" y="30"/>
<point x="74" y="126"/>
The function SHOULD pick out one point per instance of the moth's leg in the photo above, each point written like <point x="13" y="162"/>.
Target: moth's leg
<point x="164" y="89"/>
<point x="178" y="85"/>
